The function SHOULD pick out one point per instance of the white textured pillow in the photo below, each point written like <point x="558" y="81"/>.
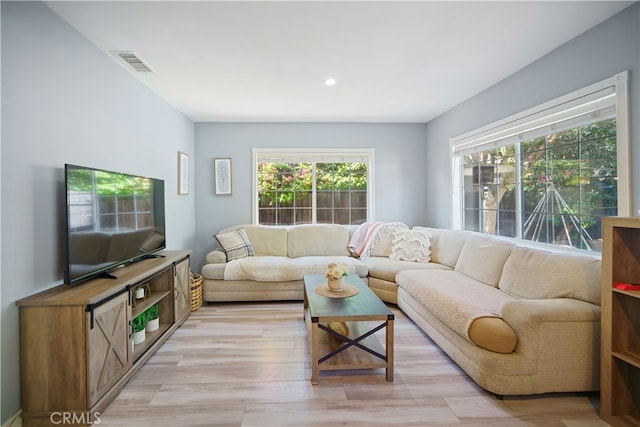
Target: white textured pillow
<point x="384" y="241"/>
<point x="411" y="245"/>
<point x="235" y="244"/>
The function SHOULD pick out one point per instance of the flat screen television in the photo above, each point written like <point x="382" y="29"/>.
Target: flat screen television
<point x="112" y="219"/>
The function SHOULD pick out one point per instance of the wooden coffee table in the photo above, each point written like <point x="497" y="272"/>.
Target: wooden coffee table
<point x="361" y="348"/>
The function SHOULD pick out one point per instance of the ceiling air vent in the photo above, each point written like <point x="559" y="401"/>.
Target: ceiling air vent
<point x="133" y="61"/>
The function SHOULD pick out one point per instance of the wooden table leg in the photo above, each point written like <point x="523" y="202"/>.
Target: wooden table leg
<point x="314" y="352"/>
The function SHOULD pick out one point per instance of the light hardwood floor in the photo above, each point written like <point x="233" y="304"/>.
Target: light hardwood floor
<point x="247" y="364"/>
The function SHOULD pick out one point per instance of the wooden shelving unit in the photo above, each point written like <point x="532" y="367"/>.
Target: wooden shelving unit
<point x="76" y="348"/>
<point x="159" y="288"/>
<point x="620" y="332"/>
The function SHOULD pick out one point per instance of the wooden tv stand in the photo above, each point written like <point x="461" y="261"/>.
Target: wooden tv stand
<point x="76" y="347"/>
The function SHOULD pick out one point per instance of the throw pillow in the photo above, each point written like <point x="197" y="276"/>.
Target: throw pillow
<point x="383" y="243"/>
<point x="235" y="244"/>
<point x="411" y="245"/>
<point x="494" y="334"/>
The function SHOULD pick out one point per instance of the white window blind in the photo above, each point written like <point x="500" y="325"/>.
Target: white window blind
<point x="604" y="100"/>
<point x="577" y="109"/>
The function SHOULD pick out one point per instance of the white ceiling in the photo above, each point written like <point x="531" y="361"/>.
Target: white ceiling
<point x="267" y="61"/>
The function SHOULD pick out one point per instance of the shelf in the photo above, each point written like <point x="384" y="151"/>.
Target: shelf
<point x="150" y="338"/>
<point x="625" y="248"/>
<point x="93" y="354"/>
<point x="626" y="420"/>
<point x="142" y="306"/>
<point x="630" y="358"/>
<point x="626" y="380"/>
<point x="633" y="294"/>
<point x="625" y="317"/>
<point x="620" y="321"/>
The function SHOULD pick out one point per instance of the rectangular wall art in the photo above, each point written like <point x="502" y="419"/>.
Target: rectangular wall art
<point x="183" y="173"/>
<point x="222" y="175"/>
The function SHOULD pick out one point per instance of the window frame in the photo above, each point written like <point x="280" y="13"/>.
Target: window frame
<point x="313" y="155"/>
<point x="565" y="111"/>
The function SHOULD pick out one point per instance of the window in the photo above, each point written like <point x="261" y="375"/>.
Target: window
<point x="549" y="174"/>
<point x="312" y="186"/>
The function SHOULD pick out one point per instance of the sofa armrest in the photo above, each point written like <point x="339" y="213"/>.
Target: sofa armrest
<point x="216" y="256"/>
<point x="535" y="311"/>
<point x="541" y="324"/>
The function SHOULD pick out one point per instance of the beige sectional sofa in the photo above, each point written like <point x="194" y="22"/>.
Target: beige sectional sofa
<point x="516" y="319"/>
<point x="283" y="255"/>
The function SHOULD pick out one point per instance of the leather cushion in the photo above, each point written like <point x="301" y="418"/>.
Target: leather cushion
<point x="493" y="333"/>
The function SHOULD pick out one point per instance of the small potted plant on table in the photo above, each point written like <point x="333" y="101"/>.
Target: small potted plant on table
<point x="138" y="324"/>
<point x="153" y="318"/>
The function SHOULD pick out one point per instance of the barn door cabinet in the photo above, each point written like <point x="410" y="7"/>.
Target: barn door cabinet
<point x="76" y="342"/>
<point x="620" y="332"/>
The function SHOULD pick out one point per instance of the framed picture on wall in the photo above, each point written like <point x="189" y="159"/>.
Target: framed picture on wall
<point x="183" y="173"/>
<point x="222" y="175"/>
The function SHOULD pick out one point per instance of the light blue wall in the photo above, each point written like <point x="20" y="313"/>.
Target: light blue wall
<point x="399" y="167"/>
<point x="65" y="101"/>
<point x="597" y="54"/>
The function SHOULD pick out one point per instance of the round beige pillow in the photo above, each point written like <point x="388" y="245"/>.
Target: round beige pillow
<point x="493" y="333"/>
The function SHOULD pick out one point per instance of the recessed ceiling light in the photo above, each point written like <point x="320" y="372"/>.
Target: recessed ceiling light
<point x="330" y="82"/>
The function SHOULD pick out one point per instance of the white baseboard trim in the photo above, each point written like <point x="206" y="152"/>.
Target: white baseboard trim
<point x="15" y="421"/>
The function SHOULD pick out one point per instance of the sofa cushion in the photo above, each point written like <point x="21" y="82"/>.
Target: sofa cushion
<point x="494" y="334"/>
<point x="213" y="271"/>
<point x="455" y="299"/>
<point x="386" y="269"/>
<point x="445" y="244"/>
<point x="317" y="240"/>
<point x="267" y="239"/>
<point x="280" y="269"/>
<point x="483" y="257"/>
<point x="235" y="244"/>
<point x="540" y="274"/>
<point x="216" y="256"/>
<point x="385" y="290"/>
<point x="411" y="245"/>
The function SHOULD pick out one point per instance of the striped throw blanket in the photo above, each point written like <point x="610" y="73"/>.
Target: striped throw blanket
<point x="367" y="234"/>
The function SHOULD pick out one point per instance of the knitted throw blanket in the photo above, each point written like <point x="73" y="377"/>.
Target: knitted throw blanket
<point x="367" y="234"/>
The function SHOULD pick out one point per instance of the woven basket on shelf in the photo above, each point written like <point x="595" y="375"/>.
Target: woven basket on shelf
<point x="196" y="291"/>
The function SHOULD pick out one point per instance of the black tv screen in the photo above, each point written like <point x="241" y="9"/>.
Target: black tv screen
<point x="112" y="219"/>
